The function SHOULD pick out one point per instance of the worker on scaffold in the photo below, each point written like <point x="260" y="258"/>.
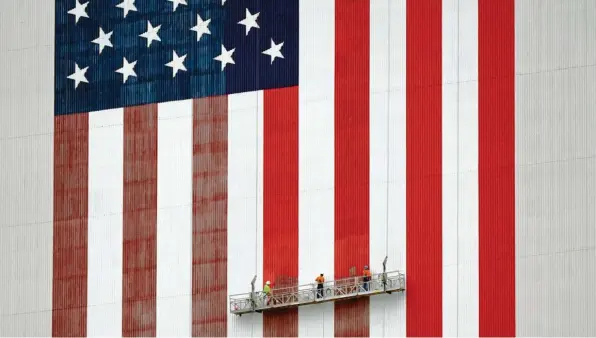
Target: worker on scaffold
<point x="366" y="277"/>
<point x="267" y="292"/>
<point x="320" y="282"/>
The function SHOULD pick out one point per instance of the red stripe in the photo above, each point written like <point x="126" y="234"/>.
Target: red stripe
<point x="352" y="42"/>
<point x="423" y="168"/>
<point x="210" y="217"/>
<point x="71" y="165"/>
<point x="280" y="203"/>
<point x="496" y="177"/>
<point x="140" y="221"/>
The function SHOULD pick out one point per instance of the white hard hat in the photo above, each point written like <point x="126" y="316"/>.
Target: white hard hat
<point x="268" y="282"/>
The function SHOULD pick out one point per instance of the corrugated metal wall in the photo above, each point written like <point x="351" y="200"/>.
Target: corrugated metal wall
<point x="555" y="167"/>
<point x="26" y="166"/>
<point x="555" y="181"/>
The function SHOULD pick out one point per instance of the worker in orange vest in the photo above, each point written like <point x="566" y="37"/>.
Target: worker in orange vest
<point x="367" y="277"/>
<point x="320" y="281"/>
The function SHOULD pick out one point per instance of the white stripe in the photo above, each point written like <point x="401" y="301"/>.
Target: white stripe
<point x="174" y="219"/>
<point x="396" y="326"/>
<point x="449" y="109"/>
<point x="245" y="214"/>
<point x="468" y="269"/>
<point x="383" y="309"/>
<point x="104" y="260"/>
<point x="460" y="168"/>
<point x="387" y="156"/>
<point x="316" y="158"/>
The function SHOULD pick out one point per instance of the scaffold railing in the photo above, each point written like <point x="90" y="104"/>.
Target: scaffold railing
<point x="344" y="288"/>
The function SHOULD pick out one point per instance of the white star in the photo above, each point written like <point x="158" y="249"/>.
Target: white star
<point x="274" y="51"/>
<point x="128" y="69"/>
<point x="177" y="63"/>
<point x="151" y="33"/>
<point x="79" y="75"/>
<point x="127" y="6"/>
<point x="250" y="21"/>
<point x="177" y="2"/>
<point x="103" y="40"/>
<point x="225" y="57"/>
<point x="202" y="27"/>
<point x="79" y="11"/>
<point x="223" y="2"/>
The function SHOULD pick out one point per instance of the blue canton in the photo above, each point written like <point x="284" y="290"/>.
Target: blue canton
<point x="106" y="60"/>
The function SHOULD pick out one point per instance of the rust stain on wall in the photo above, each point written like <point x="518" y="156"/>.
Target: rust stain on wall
<point x="210" y="197"/>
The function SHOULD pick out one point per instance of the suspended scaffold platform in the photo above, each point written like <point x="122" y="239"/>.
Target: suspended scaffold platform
<point x="341" y="289"/>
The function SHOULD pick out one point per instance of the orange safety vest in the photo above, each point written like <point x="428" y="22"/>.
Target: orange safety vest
<point x="366" y="273"/>
<point x="320" y="280"/>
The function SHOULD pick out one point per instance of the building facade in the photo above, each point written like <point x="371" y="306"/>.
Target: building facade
<point x="454" y="137"/>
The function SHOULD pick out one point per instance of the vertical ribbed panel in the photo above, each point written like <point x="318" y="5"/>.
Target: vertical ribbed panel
<point x="352" y="55"/>
<point x="555" y="155"/>
<point x="104" y="261"/>
<point x="245" y="205"/>
<point x="140" y="221"/>
<point x="316" y="158"/>
<point x="555" y="237"/>
<point x="71" y="144"/>
<point x="174" y="219"/>
<point x="460" y="167"/>
<point x="496" y="172"/>
<point x="26" y="167"/>
<point x="424" y="167"/>
<point x="210" y="217"/>
<point x="387" y="159"/>
<point x="280" y="203"/>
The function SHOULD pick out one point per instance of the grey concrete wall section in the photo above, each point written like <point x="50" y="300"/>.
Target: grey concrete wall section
<point x="556" y="167"/>
<point x="26" y="162"/>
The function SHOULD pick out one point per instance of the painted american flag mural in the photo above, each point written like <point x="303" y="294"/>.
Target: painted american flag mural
<point x="201" y="142"/>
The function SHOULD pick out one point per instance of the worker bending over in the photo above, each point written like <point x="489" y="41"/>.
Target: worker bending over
<point x="320" y="281"/>
<point x="367" y="277"/>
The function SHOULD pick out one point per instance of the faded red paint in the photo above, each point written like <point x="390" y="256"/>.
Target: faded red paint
<point x="140" y="221"/>
<point x="424" y="257"/>
<point x="352" y="313"/>
<point x="496" y="165"/>
<point x="210" y="217"/>
<point x="69" y="284"/>
<point x="281" y="323"/>
<point x="352" y="143"/>
<point x="280" y="203"/>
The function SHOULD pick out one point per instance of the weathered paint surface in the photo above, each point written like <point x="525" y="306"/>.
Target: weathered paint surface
<point x="555" y="53"/>
<point x="210" y="217"/>
<point x="424" y="167"/>
<point x="69" y="309"/>
<point x="140" y="222"/>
